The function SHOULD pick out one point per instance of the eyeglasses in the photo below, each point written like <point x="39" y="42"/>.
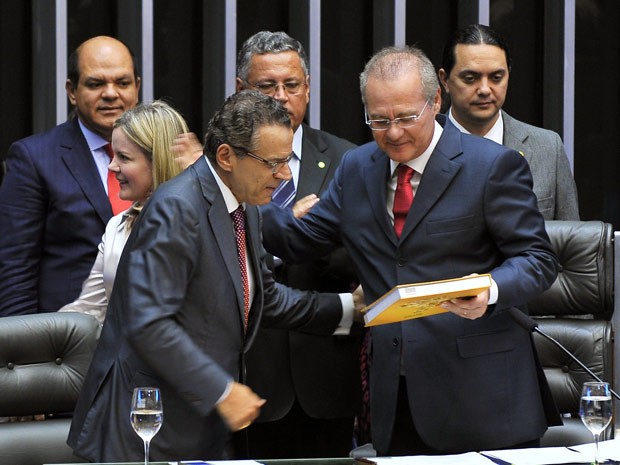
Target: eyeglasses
<point x="271" y="88"/>
<point x="402" y="122"/>
<point x="275" y="165"/>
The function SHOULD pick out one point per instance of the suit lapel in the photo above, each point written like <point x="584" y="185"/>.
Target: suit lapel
<point x="438" y="174"/>
<point x="222" y="227"/>
<point x="316" y="164"/>
<point x="77" y="158"/>
<point x="376" y="174"/>
<point x="515" y="137"/>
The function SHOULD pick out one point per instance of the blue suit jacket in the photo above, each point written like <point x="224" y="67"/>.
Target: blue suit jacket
<point x="175" y="320"/>
<point x="55" y="209"/>
<point x="472" y="385"/>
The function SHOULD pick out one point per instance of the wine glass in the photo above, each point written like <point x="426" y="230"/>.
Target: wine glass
<point x="595" y="409"/>
<point x="147" y="415"/>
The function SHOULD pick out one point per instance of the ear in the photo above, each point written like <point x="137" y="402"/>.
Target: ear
<point x="225" y="157"/>
<point x="437" y="101"/>
<point x="138" y="82"/>
<point x="238" y="84"/>
<point x="70" y="91"/>
<point x="307" y="89"/>
<point x="443" y="78"/>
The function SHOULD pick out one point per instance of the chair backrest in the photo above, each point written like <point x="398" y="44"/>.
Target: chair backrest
<point x="44" y="358"/>
<point x="576" y="312"/>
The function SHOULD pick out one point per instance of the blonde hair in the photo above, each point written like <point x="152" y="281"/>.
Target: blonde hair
<point x="153" y="127"/>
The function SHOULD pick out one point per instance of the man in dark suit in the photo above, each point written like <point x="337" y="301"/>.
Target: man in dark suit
<point x="310" y="408"/>
<point x="423" y="203"/>
<point x="54" y="198"/>
<point x="190" y="292"/>
<point x="475" y="70"/>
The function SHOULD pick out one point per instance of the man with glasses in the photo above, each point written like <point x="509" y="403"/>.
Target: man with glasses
<point x="311" y="383"/>
<point x="424" y="203"/>
<point x="190" y="292"/>
<point x="475" y="70"/>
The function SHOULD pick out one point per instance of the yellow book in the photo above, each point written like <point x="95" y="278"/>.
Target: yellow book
<point x="417" y="300"/>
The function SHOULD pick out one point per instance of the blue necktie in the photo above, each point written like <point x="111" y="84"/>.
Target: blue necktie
<point x="284" y="194"/>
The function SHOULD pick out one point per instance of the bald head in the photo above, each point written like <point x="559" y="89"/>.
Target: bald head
<point x="102" y="83"/>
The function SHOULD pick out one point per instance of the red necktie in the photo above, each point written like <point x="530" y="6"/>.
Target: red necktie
<point x="239" y="224"/>
<point x="403" y="198"/>
<point x="118" y="204"/>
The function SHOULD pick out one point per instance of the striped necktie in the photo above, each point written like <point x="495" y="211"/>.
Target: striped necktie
<point x="284" y="193"/>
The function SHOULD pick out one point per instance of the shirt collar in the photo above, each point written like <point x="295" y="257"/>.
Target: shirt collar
<point x="297" y="138"/>
<point x="496" y="133"/>
<point x="229" y="198"/>
<point x="94" y="140"/>
<point x="419" y="163"/>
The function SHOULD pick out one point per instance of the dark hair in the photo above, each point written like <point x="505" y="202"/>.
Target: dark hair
<point x="473" y="34"/>
<point x="240" y="117"/>
<point x="73" y="65"/>
<point x="391" y="62"/>
<point x="268" y="42"/>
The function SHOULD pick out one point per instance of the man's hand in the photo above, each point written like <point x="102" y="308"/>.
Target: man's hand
<point x="304" y="205"/>
<point x="186" y="149"/>
<point x="359" y="302"/>
<point x="470" y="308"/>
<point x="240" y="407"/>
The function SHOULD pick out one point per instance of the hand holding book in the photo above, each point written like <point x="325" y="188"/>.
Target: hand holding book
<point x="418" y="300"/>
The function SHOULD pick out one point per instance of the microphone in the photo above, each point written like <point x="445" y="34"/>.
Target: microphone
<point x="531" y="325"/>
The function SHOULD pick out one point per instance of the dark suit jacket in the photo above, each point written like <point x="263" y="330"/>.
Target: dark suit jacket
<point x="175" y="321"/>
<point x="297" y="360"/>
<point x="472" y="385"/>
<point x="54" y="211"/>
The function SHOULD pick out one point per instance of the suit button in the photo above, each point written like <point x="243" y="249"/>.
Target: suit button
<point x="401" y="262"/>
<point x="395" y="342"/>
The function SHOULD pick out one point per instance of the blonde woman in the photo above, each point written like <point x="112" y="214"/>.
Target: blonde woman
<point x="142" y="141"/>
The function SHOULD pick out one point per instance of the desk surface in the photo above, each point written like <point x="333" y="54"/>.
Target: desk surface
<point x="322" y="461"/>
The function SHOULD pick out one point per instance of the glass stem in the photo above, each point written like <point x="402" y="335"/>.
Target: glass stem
<point x="146" y="452"/>
<point x="596" y="436"/>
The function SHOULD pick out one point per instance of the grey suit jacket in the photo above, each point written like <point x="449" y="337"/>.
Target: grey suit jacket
<point x="175" y="321"/>
<point x="554" y="185"/>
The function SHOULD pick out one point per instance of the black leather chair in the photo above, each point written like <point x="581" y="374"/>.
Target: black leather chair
<point x="576" y="311"/>
<point x="43" y="361"/>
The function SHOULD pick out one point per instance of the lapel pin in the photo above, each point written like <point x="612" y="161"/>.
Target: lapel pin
<point x="321" y="164"/>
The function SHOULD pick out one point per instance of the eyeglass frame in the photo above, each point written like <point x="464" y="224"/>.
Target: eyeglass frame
<point x="273" y="164"/>
<point x="398" y="121"/>
<point x="276" y="86"/>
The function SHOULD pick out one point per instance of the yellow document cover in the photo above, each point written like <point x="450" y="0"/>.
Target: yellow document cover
<point x="409" y="301"/>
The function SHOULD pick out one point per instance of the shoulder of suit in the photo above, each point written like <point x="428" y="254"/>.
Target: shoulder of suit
<point x="519" y="128"/>
<point x="318" y="137"/>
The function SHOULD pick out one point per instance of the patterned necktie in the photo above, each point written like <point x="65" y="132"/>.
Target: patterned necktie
<point x="114" y="188"/>
<point x="238" y="218"/>
<point x="284" y="193"/>
<point x="403" y="198"/>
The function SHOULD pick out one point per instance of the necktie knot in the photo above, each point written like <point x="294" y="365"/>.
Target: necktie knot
<point x="238" y="219"/>
<point x="108" y="149"/>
